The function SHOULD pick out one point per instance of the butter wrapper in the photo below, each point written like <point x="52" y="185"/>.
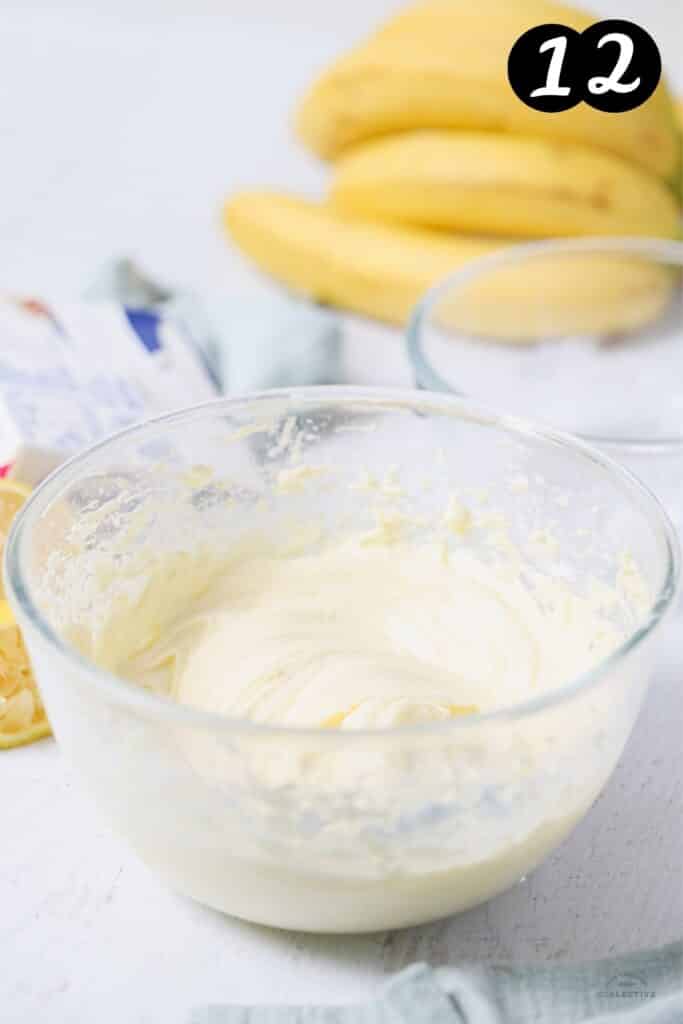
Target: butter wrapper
<point x="72" y="373"/>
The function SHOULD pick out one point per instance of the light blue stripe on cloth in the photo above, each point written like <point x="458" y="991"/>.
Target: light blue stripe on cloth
<point x="413" y="995"/>
<point x="645" y="988"/>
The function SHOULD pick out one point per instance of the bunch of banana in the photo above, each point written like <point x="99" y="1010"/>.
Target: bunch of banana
<point x="437" y="161"/>
<point x="443" y="64"/>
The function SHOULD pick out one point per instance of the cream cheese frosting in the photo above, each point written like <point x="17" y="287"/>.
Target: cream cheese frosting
<point x="366" y="634"/>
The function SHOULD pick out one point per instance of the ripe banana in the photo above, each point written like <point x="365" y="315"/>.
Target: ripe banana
<point x="499" y="184"/>
<point x="369" y="268"/>
<point x="566" y="295"/>
<point x="442" y="64"/>
<point x="679" y="116"/>
<point x="382" y="270"/>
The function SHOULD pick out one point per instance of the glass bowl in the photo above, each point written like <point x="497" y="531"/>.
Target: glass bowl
<point x="585" y="335"/>
<point x="414" y="823"/>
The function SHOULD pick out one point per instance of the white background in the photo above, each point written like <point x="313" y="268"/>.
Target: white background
<point x="123" y="126"/>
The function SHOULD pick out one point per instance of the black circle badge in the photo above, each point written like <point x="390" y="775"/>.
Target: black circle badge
<point x="622" y="65"/>
<point x="545" y="68"/>
<point x="613" y="66"/>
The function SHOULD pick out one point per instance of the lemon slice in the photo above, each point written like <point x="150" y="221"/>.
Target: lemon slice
<point x="13" y="494"/>
<point x="22" y="715"/>
<point x="24" y="736"/>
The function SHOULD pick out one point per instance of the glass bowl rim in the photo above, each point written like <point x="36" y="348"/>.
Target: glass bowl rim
<point x="658" y="249"/>
<point x="121" y="692"/>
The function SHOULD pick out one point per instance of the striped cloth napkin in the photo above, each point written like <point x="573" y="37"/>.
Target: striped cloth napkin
<point x="645" y="988"/>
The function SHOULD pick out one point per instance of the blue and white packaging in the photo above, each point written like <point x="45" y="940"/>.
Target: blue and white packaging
<point x="72" y="373"/>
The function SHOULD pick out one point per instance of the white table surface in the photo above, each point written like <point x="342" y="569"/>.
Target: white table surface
<point x="122" y="129"/>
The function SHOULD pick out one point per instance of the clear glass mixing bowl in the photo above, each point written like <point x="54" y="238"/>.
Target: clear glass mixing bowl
<point x="585" y="335"/>
<point x="413" y="823"/>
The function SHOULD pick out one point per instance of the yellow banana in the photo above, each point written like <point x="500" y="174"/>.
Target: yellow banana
<point x="563" y="296"/>
<point x="382" y="270"/>
<point x="679" y="116"/>
<point x="502" y="184"/>
<point x="369" y="268"/>
<point x="443" y="65"/>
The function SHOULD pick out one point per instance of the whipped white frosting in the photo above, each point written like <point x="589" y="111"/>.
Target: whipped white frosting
<point x="367" y="634"/>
